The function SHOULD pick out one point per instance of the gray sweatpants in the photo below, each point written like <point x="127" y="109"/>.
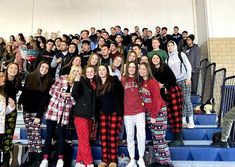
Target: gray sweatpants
<point x="227" y="124"/>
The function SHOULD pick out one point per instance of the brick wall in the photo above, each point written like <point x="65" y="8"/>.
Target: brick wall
<point x="222" y="52"/>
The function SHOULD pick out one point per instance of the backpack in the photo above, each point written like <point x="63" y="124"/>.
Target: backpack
<point x="181" y="60"/>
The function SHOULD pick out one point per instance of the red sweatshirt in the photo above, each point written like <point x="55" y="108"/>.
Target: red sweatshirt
<point x="132" y="99"/>
<point x="150" y="93"/>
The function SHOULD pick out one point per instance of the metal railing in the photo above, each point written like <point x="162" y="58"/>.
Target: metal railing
<point x="203" y="64"/>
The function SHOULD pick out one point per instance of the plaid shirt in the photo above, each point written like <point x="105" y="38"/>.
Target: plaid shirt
<point x="59" y="107"/>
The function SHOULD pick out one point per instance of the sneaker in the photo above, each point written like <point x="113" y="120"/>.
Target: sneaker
<point x="113" y="164"/>
<point x="90" y="165"/>
<point x="175" y="143"/>
<point x="78" y="164"/>
<point x="191" y="125"/>
<point x="222" y="144"/>
<point x="60" y="163"/>
<point x="102" y="164"/>
<point x="44" y="163"/>
<point x="132" y="163"/>
<point x="141" y="162"/>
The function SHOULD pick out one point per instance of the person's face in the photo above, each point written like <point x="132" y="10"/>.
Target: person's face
<point x="144" y="59"/>
<point x="137" y="50"/>
<point x="158" y="30"/>
<point x="170" y="47"/>
<point x="105" y="35"/>
<point x="155" y="60"/>
<point x="137" y="28"/>
<point x="176" y="30"/>
<point x="76" y="41"/>
<point x="102" y="72"/>
<point x="143" y="71"/>
<point x="11" y="38"/>
<point x="126" y="32"/>
<point x="105" y="51"/>
<point x="185" y="35"/>
<point x="101" y="41"/>
<point x="113" y="47"/>
<point x="117" y="61"/>
<point x="149" y="34"/>
<point x="49" y="46"/>
<point x="92" y="30"/>
<point x="84" y="35"/>
<point x="118" y="39"/>
<point x="75" y="72"/>
<point x="8" y="48"/>
<point x="189" y="41"/>
<point x="98" y="34"/>
<point x="164" y="31"/>
<point x="39" y="31"/>
<point x="12" y="70"/>
<point x="131" y="57"/>
<point x="117" y="29"/>
<point x="57" y="43"/>
<point x="44" y="68"/>
<point x="138" y="42"/>
<point x="63" y="46"/>
<point x="76" y="61"/>
<point x="131" y="69"/>
<point x="133" y="38"/>
<point x="155" y="44"/>
<point x="145" y="31"/>
<point x="85" y="47"/>
<point x="112" y="31"/>
<point x="72" y="48"/>
<point x="90" y="73"/>
<point x="30" y="39"/>
<point x="2" y="79"/>
<point x="94" y="60"/>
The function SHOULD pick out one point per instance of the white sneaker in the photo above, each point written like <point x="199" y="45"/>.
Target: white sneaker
<point x="90" y="165"/>
<point x="78" y="164"/>
<point x="44" y="163"/>
<point x="60" y="163"/>
<point x="141" y="162"/>
<point x="132" y="163"/>
<point x="184" y="122"/>
<point x="191" y="122"/>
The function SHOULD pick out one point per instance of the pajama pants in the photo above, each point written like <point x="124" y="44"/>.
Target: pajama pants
<point x="158" y="131"/>
<point x="131" y="121"/>
<point x="227" y="124"/>
<point x="174" y="108"/>
<point x="187" y="104"/>
<point x="83" y="132"/>
<point x="7" y="137"/>
<point x="109" y="130"/>
<point x="33" y="133"/>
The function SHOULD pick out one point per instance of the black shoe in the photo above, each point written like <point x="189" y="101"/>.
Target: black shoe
<point x="176" y="143"/>
<point x="155" y="164"/>
<point x="6" y="158"/>
<point x="220" y="144"/>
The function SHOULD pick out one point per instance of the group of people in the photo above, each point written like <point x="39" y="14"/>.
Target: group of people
<point x="105" y="82"/>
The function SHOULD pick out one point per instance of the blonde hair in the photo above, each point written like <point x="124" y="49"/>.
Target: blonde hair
<point x="70" y="78"/>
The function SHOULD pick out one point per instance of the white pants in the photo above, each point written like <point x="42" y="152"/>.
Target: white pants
<point x="131" y="121"/>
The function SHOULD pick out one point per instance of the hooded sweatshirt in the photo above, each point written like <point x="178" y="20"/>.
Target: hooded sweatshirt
<point x="175" y="65"/>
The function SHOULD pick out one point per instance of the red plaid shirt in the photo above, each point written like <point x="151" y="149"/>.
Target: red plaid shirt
<point x="59" y="107"/>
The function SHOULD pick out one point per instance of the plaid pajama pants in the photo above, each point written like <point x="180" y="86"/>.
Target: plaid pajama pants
<point x="33" y="133"/>
<point x="174" y="108"/>
<point x="109" y="130"/>
<point x="187" y="104"/>
<point x="158" y="131"/>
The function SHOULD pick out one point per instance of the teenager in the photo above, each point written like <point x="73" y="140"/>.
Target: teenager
<point x="164" y="75"/>
<point x="84" y="111"/>
<point x="134" y="114"/>
<point x="110" y="95"/>
<point x="34" y="99"/>
<point x="7" y="106"/>
<point x="115" y="69"/>
<point x="182" y="70"/>
<point x="58" y="113"/>
<point x="156" y="112"/>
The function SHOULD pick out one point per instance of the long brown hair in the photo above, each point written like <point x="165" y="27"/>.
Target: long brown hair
<point x="103" y="88"/>
<point x="120" y="68"/>
<point x="17" y="78"/>
<point x="136" y="70"/>
<point x="149" y="73"/>
<point x="161" y="63"/>
<point x="34" y="81"/>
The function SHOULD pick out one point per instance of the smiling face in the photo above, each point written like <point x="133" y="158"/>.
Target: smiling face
<point x="170" y="47"/>
<point x="2" y="79"/>
<point x="94" y="60"/>
<point x="76" y="61"/>
<point x="102" y="71"/>
<point x="131" y="69"/>
<point x="44" y="68"/>
<point x="143" y="71"/>
<point x="117" y="61"/>
<point x="155" y="60"/>
<point x="12" y="70"/>
<point x="90" y="72"/>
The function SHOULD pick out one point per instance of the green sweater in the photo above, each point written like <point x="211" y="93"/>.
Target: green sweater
<point x="160" y="52"/>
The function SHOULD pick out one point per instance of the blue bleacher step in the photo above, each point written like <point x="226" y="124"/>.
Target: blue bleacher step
<point x="186" y="153"/>
<point x="205" y="119"/>
<point x="196" y="99"/>
<point x="199" y="133"/>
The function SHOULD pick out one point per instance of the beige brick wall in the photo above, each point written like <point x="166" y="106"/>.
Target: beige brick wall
<point x="222" y="52"/>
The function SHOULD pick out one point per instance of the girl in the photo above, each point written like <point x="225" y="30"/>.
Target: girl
<point x="75" y="61"/>
<point x="110" y="95"/>
<point x="8" y="57"/>
<point x="12" y="86"/>
<point x="4" y="110"/>
<point x="182" y="71"/>
<point x="166" y="77"/>
<point x="134" y="114"/>
<point x="131" y="56"/>
<point x="94" y="60"/>
<point x="34" y="99"/>
<point x="116" y="67"/>
<point x="156" y="112"/>
<point x="84" y="94"/>
<point x="58" y="113"/>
